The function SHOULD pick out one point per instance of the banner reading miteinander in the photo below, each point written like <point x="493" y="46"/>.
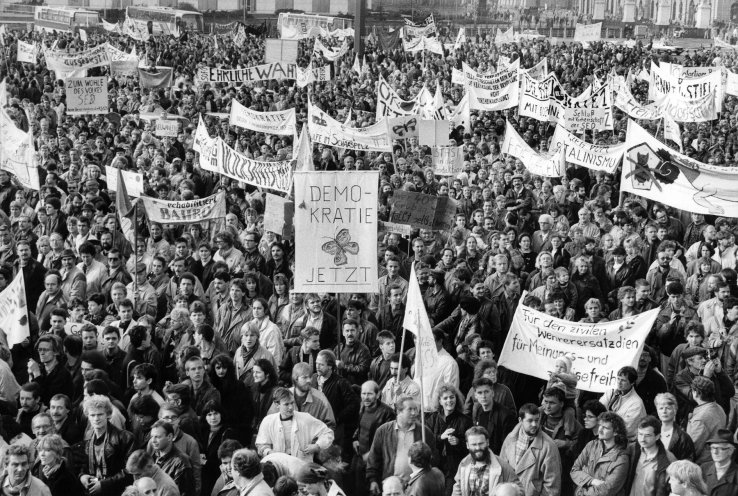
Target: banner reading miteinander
<point x="336" y="232"/>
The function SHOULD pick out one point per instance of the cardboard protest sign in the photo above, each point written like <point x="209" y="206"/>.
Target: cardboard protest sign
<point x="433" y="132"/>
<point x="447" y="160"/>
<point x="88" y="95"/>
<point x="336" y="232"/>
<point x="26" y="52"/>
<point x="280" y="51"/>
<point x="536" y="340"/>
<point x="278" y="215"/>
<point x="185" y="211"/>
<point x="134" y="180"/>
<point x="423" y="211"/>
<point x="403" y="127"/>
<point x="588" y="32"/>
<point x="166" y="127"/>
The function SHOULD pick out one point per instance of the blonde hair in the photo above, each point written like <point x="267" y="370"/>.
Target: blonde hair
<point x="688" y="473"/>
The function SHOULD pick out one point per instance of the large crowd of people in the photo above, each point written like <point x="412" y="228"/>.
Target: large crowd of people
<point x="184" y="363"/>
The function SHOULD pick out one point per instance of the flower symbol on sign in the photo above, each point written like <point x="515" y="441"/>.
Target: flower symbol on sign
<point x="339" y="246"/>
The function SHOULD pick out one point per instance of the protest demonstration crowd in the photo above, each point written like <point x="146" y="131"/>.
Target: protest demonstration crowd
<point x="496" y="266"/>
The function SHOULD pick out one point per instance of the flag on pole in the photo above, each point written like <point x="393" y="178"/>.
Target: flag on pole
<point x="14" y="312"/>
<point x="671" y="131"/>
<point x="304" y="152"/>
<point x="4" y="93"/>
<point x="126" y="212"/>
<point x="357" y="66"/>
<point x="416" y="321"/>
<point x="215" y="41"/>
<point x="348" y="117"/>
<point x="460" y="39"/>
<point x="3" y="32"/>
<point x="364" y="66"/>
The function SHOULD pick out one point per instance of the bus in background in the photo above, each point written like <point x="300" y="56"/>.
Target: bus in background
<point x="65" y="19"/>
<point x="164" y="20"/>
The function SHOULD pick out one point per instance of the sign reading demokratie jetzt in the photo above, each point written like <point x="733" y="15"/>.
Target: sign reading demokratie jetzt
<point x="536" y="340"/>
<point x="264" y="72"/>
<point x="185" y="212"/>
<point x="336" y="232"/>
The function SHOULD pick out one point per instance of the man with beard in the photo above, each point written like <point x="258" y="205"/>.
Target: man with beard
<point x="533" y="454"/>
<point x="400" y="382"/>
<point x="353" y="356"/>
<point x="307" y="398"/>
<point x="481" y="471"/>
<point x="344" y="401"/>
<point x="388" y="454"/>
<point x="373" y="413"/>
<point x="650" y="382"/>
<point x="659" y="276"/>
<point x="671" y="322"/>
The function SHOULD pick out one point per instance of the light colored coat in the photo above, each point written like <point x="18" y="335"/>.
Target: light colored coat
<point x="305" y="429"/>
<point x="539" y="469"/>
<point x="631" y="409"/>
<point x="499" y="472"/>
<point x="703" y="424"/>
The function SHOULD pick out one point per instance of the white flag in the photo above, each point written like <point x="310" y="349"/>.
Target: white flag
<point x="335" y="490"/>
<point x="14" y="311"/>
<point x="416" y="321"/>
<point x="364" y="66"/>
<point x="215" y="41"/>
<point x="304" y="152"/>
<point x="460" y="38"/>
<point x="357" y="66"/>
<point x="4" y="93"/>
<point x="83" y="35"/>
<point x="671" y="131"/>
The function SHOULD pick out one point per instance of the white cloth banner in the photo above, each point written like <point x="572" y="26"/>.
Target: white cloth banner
<point x="329" y="54"/>
<point x="423" y="43"/>
<point x="426" y="353"/>
<point x="26" y="52"/>
<point x="535" y="96"/>
<point x="281" y="122"/>
<point x="328" y="131"/>
<point x="591" y="156"/>
<point x="505" y="37"/>
<point x="672" y="132"/>
<point x="665" y="82"/>
<point x="540" y="164"/>
<point x="447" y="160"/>
<point x="537" y="71"/>
<point x="236" y="165"/>
<point x="625" y="101"/>
<point x="312" y="75"/>
<point x="187" y="211"/>
<point x="702" y="110"/>
<point x="57" y="60"/>
<point x="731" y="86"/>
<point x="499" y="91"/>
<point x="17" y="153"/>
<point x="203" y="143"/>
<point x="264" y="72"/>
<point x="536" y="340"/>
<point x="14" y="311"/>
<point x="655" y="171"/>
<point x="389" y="104"/>
<point x="588" y="32"/>
<point x="122" y="63"/>
<point x="336" y="232"/>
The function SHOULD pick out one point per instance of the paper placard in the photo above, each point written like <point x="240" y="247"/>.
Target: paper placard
<point x="280" y="51"/>
<point x="433" y="132"/>
<point x="133" y="180"/>
<point x="87" y="95"/>
<point x="166" y="127"/>
<point x="278" y="215"/>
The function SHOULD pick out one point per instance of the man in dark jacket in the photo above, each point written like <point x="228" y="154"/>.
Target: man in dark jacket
<point x="425" y="480"/>
<point x="173" y="462"/>
<point x="497" y="419"/>
<point x="372" y="415"/>
<point x="649" y="460"/>
<point x="721" y="474"/>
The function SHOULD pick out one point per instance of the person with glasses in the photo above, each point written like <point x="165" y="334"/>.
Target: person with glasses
<point x="721" y="473"/>
<point x="116" y="272"/>
<point x="54" y="378"/>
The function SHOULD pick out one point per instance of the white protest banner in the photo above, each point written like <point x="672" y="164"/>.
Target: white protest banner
<point x="329" y="54"/>
<point x="483" y="100"/>
<point x="336" y="232"/>
<point x="202" y="139"/>
<point x="505" y="37"/>
<point x="731" y="86"/>
<point x="423" y="43"/>
<point x="433" y="132"/>
<point x="403" y="127"/>
<point x="687" y="84"/>
<point x="26" y="52"/>
<point x="122" y="63"/>
<point x="720" y="44"/>
<point x="653" y="170"/>
<point x="499" y="91"/>
<point x="591" y="156"/>
<point x="672" y="132"/>
<point x="300" y="26"/>
<point x="67" y="62"/>
<point x="537" y="71"/>
<point x="14" y="311"/>
<point x="167" y="127"/>
<point x="264" y="72"/>
<point x="280" y="122"/>
<point x="239" y="37"/>
<point x="88" y="95"/>
<point x="541" y="164"/>
<point x="280" y="51"/>
<point x="425" y="104"/>
<point x="17" y="153"/>
<point x="312" y="75"/>
<point x="625" y="101"/>
<point x="389" y="104"/>
<point x="419" y="31"/>
<point x="536" y="340"/>
<point x="535" y="96"/>
<point x="272" y="175"/>
<point x="447" y="160"/>
<point x="133" y="180"/>
<point x="702" y="110"/>
<point x="328" y="131"/>
<point x="185" y="212"/>
<point x="588" y="32"/>
<point x="461" y="115"/>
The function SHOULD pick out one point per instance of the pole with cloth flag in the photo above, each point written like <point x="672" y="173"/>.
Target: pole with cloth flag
<point x="128" y="220"/>
<point x="416" y="321"/>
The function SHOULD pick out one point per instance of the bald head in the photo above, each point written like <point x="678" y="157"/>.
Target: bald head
<point x="392" y="486"/>
<point x="146" y="486"/>
<point x="507" y="489"/>
<point x="369" y="393"/>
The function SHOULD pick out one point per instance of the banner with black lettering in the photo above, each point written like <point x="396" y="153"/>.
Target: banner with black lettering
<point x="541" y="164"/>
<point x="185" y="211"/>
<point x="328" y="131"/>
<point x="277" y="70"/>
<point x="236" y="165"/>
<point x="389" y="104"/>
<point x="280" y="122"/>
<point x="61" y="60"/>
<point x="589" y="155"/>
<point x="336" y="232"/>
